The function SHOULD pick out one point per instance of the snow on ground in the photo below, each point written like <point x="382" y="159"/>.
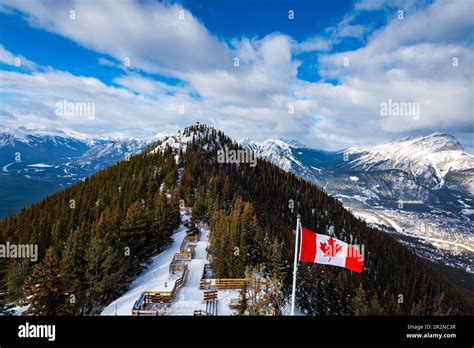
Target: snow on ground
<point x="189" y="297"/>
<point x="154" y="278"/>
<point x="357" y="197"/>
<point x="224" y="297"/>
<point x="19" y="310"/>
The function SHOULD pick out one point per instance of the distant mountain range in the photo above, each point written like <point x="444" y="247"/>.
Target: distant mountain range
<point x="420" y="188"/>
<point x="137" y="204"/>
<point x="36" y="163"/>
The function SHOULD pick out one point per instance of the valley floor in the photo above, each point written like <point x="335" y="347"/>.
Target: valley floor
<point x="441" y="249"/>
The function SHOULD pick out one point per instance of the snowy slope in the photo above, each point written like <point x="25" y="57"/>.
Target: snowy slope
<point x="179" y="140"/>
<point x="152" y="279"/>
<point x="189" y="297"/>
<point x="274" y="150"/>
<point x="109" y="152"/>
<point x="8" y="136"/>
<point x="417" y="181"/>
<point x="431" y="157"/>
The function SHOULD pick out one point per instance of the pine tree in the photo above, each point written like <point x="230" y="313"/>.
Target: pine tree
<point x="106" y="266"/>
<point x="274" y="294"/>
<point x="45" y="288"/>
<point x="16" y="273"/>
<point x="359" y="302"/>
<point x="136" y="233"/>
<point x="242" y="306"/>
<point x="227" y="190"/>
<point x="393" y="306"/>
<point x="3" y="287"/>
<point x="174" y="214"/>
<point x="374" y="307"/>
<point x="199" y="211"/>
<point x="73" y="269"/>
<point x="276" y="260"/>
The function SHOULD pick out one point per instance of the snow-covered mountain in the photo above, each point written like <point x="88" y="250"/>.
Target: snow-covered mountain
<point x="274" y="150"/>
<point x="427" y="158"/>
<point x="420" y="165"/>
<point x="109" y="152"/>
<point x="59" y="137"/>
<point x="422" y="188"/>
<point x="419" y="188"/>
<point x="37" y="162"/>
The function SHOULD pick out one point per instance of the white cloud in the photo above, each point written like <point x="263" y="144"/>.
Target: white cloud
<point x="333" y="35"/>
<point x="147" y="86"/>
<point x="19" y="61"/>
<point x="313" y="44"/>
<point x="31" y="100"/>
<point x="152" y="35"/>
<point x="408" y="60"/>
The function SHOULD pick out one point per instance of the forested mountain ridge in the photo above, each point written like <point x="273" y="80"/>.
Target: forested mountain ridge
<point x="417" y="188"/>
<point x="86" y="230"/>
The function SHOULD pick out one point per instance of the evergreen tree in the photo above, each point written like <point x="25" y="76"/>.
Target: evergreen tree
<point x="136" y="233"/>
<point x="45" y="287"/>
<point x="16" y="274"/>
<point x="106" y="265"/>
<point x="242" y="306"/>
<point x="359" y="302"/>
<point x="247" y="209"/>
<point x="73" y="267"/>
<point x="3" y="287"/>
<point x="374" y="307"/>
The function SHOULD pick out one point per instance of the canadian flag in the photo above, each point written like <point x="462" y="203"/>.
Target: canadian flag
<point x="320" y="248"/>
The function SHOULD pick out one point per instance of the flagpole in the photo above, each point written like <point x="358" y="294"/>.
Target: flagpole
<point x="295" y="265"/>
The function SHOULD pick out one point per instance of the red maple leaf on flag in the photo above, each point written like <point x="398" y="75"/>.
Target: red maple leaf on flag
<point x="330" y="248"/>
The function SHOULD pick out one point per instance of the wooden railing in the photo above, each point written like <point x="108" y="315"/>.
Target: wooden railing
<point x="180" y="281"/>
<point x="183" y="256"/>
<point x="187" y="210"/>
<point x="141" y="312"/>
<point x="194" y="238"/>
<point x="149" y="297"/>
<point x="185" y="244"/>
<point x="177" y="264"/>
<point x="157" y="296"/>
<point x="210" y="295"/>
<point x="178" y="267"/>
<point x="223" y="283"/>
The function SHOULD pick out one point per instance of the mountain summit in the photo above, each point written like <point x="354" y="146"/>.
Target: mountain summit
<point x="431" y="157"/>
<point x="421" y="187"/>
<point x="135" y="204"/>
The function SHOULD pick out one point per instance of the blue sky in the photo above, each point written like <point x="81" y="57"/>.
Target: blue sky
<point x="321" y="77"/>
